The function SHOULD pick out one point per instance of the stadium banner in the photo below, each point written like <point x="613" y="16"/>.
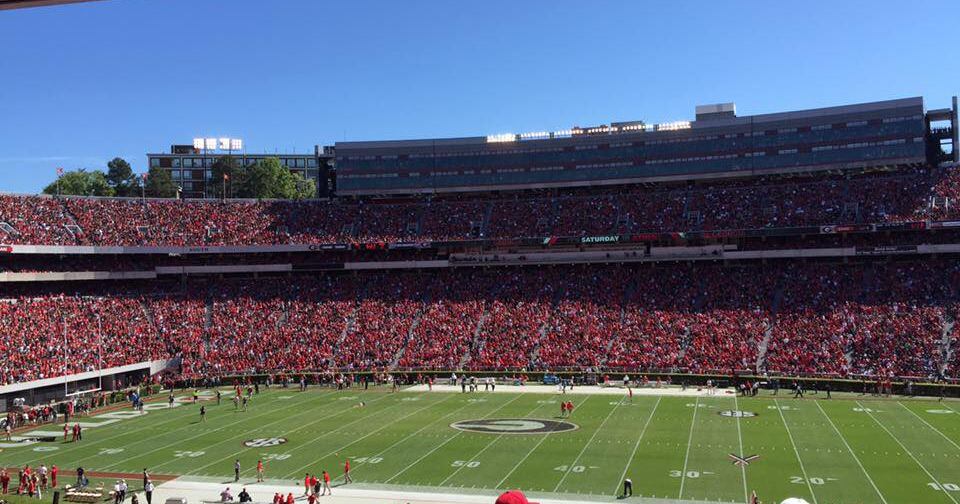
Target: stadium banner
<point x="408" y="245"/>
<point x="600" y="239"/>
<point x="887" y="250"/>
<point x="849" y="228"/>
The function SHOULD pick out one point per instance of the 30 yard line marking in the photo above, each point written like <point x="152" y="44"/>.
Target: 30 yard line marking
<point x="743" y="467"/>
<point x="355" y="441"/>
<point x="308" y="424"/>
<point x="587" y="445"/>
<point x="945" y="491"/>
<point x="850" y="450"/>
<point x="686" y="457"/>
<point x="451" y="438"/>
<point x="795" y="451"/>
<point x="944" y="436"/>
<point x="637" y="444"/>
<point x="204" y="433"/>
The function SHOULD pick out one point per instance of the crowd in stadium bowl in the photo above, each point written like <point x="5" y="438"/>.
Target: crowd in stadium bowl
<point x="874" y="319"/>
<point x="882" y="197"/>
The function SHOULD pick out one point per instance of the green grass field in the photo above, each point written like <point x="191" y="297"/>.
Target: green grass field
<point x="855" y="449"/>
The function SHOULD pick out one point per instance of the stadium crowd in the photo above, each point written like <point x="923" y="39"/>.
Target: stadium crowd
<point x="873" y="319"/>
<point x="880" y="197"/>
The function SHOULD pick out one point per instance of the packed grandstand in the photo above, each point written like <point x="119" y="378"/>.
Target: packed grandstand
<point x="821" y="269"/>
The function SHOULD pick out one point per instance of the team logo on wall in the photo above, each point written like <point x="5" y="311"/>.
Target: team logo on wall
<point x="514" y="426"/>
<point x="737" y="414"/>
<point x="264" y="442"/>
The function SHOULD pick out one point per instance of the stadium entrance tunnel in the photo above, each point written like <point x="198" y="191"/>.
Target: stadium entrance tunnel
<point x="514" y="426"/>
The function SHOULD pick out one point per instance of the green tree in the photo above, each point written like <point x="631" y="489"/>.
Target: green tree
<point x="160" y="184"/>
<point x="229" y="166"/>
<point x="305" y="188"/>
<point x="120" y="177"/>
<point x="81" y="183"/>
<point x="267" y="179"/>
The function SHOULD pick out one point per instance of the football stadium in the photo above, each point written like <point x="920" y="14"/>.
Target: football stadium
<point x="723" y="307"/>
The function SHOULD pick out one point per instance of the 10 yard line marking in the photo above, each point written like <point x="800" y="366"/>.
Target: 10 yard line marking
<point x="849" y="449"/>
<point x="686" y="458"/>
<point x="954" y="443"/>
<point x="743" y="467"/>
<point x="451" y="438"/>
<point x="587" y="445"/>
<point x="637" y="445"/>
<point x="795" y="451"/>
<point x="867" y="411"/>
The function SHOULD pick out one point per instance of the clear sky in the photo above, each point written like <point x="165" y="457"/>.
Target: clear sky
<point x="80" y="84"/>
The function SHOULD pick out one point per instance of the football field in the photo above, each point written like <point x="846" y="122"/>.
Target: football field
<point x="848" y="450"/>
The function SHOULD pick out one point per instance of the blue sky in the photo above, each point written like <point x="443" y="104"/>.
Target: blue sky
<point x="80" y="84"/>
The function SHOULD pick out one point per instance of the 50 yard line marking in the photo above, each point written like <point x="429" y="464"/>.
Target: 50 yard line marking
<point x="795" y="451"/>
<point x="852" y="453"/>
<point x="743" y="467"/>
<point x="686" y="457"/>
<point x="451" y="438"/>
<point x="945" y="491"/>
<point x="637" y="444"/>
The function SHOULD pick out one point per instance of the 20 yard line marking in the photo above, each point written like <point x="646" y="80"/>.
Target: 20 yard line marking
<point x="743" y="467"/>
<point x="944" y="436"/>
<point x="587" y="445"/>
<point x="686" y="458"/>
<point x="637" y="444"/>
<point x="795" y="451"/>
<point x="850" y="450"/>
<point x="945" y="491"/>
<point x="451" y="438"/>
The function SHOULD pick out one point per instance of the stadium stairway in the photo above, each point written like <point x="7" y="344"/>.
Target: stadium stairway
<point x="476" y="342"/>
<point x="768" y="332"/>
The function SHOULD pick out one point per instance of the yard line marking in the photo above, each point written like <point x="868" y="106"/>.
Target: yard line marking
<point x="384" y="426"/>
<point x="491" y="443"/>
<point x="587" y="445"/>
<point x="234" y="454"/>
<point x="204" y="433"/>
<point x="451" y="438"/>
<point x="945" y="491"/>
<point x="944" y="436"/>
<point x="849" y="449"/>
<point x="637" y="444"/>
<point x="795" y="451"/>
<point x="686" y="458"/>
<point x="743" y="467"/>
<point x="253" y="430"/>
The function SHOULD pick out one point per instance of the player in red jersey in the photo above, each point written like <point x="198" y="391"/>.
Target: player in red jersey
<point x="326" y="484"/>
<point x="346" y="472"/>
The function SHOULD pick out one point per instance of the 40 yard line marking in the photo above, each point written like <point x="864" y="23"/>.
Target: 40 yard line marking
<point x="587" y="445"/>
<point x="908" y="452"/>
<point x="355" y="441"/>
<point x="525" y="457"/>
<point x="944" y="436"/>
<point x="637" y="444"/>
<point x="743" y="467"/>
<point x="686" y="457"/>
<point x="795" y="451"/>
<point x="850" y="450"/>
<point x="451" y="438"/>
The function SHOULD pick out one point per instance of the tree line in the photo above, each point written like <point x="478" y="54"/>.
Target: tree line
<point x="266" y="178"/>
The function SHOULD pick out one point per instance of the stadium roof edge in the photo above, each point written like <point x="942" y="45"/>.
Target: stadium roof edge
<point x="771" y="117"/>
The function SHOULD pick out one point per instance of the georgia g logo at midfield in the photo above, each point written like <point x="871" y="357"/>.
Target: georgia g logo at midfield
<point x="514" y="426"/>
<point x="264" y="442"/>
